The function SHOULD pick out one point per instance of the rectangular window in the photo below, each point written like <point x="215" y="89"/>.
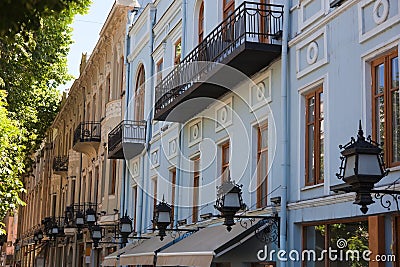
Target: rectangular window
<point x="317" y="238"/>
<point x="108" y="91"/>
<point x="196" y="182"/>
<point x="385" y="106"/>
<point x="159" y="68"/>
<point x="113" y="177"/>
<point x="89" y="187"/>
<point x="154" y="197"/>
<point x="172" y="174"/>
<point x="314" y="170"/>
<point x="225" y="162"/>
<point x="135" y="197"/>
<point x="177" y="52"/>
<point x="73" y="185"/>
<point x="262" y="165"/>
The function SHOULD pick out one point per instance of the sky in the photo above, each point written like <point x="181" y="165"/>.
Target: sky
<point x="85" y="34"/>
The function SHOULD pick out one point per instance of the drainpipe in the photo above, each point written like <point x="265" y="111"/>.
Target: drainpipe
<point x="285" y="127"/>
<point x="125" y="173"/>
<point x="149" y="128"/>
<point x="179" y="171"/>
<point x="184" y="26"/>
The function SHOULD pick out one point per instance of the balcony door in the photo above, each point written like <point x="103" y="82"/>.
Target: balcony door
<point x="265" y="20"/>
<point x="139" y="94"/>
<point x="228" y="9"/>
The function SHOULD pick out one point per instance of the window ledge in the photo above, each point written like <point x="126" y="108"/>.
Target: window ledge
<point x="111" y="196"/>
<point x="309" y="187"/>
<point x="395" y="168"/>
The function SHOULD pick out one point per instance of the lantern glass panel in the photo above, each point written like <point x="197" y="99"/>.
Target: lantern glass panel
<point x="369" y="164"/>
<point x="96" y="234"/>
<point x="164" y="217"/>
<point x="232" y="200"/>
<point x="126" y="228"/>
<point x="79" y="221"/>
<point x="54" y="230"/>
<point x="91" y="218"/>
<point x="350" y="165"/>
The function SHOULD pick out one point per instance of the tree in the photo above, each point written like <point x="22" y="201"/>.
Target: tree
<point x="11" y="161"/>
<point x="26" y="15"/>
<point x="33" y="48"/>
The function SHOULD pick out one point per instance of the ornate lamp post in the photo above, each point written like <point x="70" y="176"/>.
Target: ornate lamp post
<point x="79" y="219"/>
<point x="90" y="216"/>
<point x="162" y="218"/>
<point x="97" y="233"/>
<point x="361" y="168"/>
<point x="125" y="228"/>
<point x="229" y="202"/>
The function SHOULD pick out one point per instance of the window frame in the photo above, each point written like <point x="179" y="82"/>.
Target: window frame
<point x="225" y="165"/>
<point x="159" y="67"/>
<point x="260" y="151"/>
<point x="177" y="56"/>
<point x="196" y="183"/>
<point x="113" y="178"/>
<point x="317" y="121"/>
<point x="139" y="93"/>
<point x="200" y="27"/>
<point x="385" y="59"/>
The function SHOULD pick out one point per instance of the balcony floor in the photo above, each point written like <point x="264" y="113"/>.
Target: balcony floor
<point x="126" y="150"/>
<point x="249" y="58"/>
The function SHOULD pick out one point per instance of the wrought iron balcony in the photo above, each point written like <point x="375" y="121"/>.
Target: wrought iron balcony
<point x="87" y="137"/>
<point x="247" y="40"/>
<point x="127" y="139"/>
<point x="60" y="164"/>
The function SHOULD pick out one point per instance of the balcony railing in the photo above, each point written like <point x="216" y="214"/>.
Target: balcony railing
<point x="87" y="132"/>
<point x="253" y="23"/>
<point x="60" y="164"/>
<point x="128" y="137"/>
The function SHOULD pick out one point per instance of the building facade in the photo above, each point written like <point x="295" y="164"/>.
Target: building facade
<point x="193" y="94"/>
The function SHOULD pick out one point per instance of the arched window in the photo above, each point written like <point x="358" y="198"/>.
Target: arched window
<point x="139" y="94"/>
<point x="201" y="22"/>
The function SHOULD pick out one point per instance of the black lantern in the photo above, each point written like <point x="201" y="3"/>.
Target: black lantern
<point x="125" y="228"/>
<point x="361" y="168"/>
<point x="90" y="216"/>
<point x="79" y="219"/>
<point x="229" y="202"/>
<point x="40" y="235"/>
<point x="35" y="238"/>
<point x="162" y="218"/>
<point x="97" y="234"/>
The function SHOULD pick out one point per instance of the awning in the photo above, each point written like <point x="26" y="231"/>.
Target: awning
<point x="144" y="253"/>
<point x="200" y="248"/>
<point x="113" y="258"/>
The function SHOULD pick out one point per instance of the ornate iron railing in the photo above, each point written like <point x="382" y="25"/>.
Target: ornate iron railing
<point x="127" y="131"/>
<point x="87" y="132"/>
<point x="60" y="163"/>
<point x="250" y="22"/>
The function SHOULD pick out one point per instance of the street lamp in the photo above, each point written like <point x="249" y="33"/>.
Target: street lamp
<point x="90" y="216"/>
<point x="79" y="219"/>
<point x="229" y="202"/>
<point x="96" y="232"/>
<point x="361" y="168"/>
<point x="162" y="218"/>
<point x="40" y="235"/>
<point x="125" y="227"/>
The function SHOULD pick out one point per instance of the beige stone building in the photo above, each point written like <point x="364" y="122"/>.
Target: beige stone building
<point x="71" y="173"/>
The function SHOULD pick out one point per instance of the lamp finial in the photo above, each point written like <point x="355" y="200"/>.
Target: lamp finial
<point x="360" y="135"/>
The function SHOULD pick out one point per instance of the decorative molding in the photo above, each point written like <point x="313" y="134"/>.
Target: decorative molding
<point x="312" y="53"/>
<point x="195" y="133"/>
<point x="376" y="16"/>
<point x="260" y="91"/>
<point x="155" y="158"/>
<point x="224" y="114"/>
<point x="306" y="21"/>
<point x="173" y="147"/>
